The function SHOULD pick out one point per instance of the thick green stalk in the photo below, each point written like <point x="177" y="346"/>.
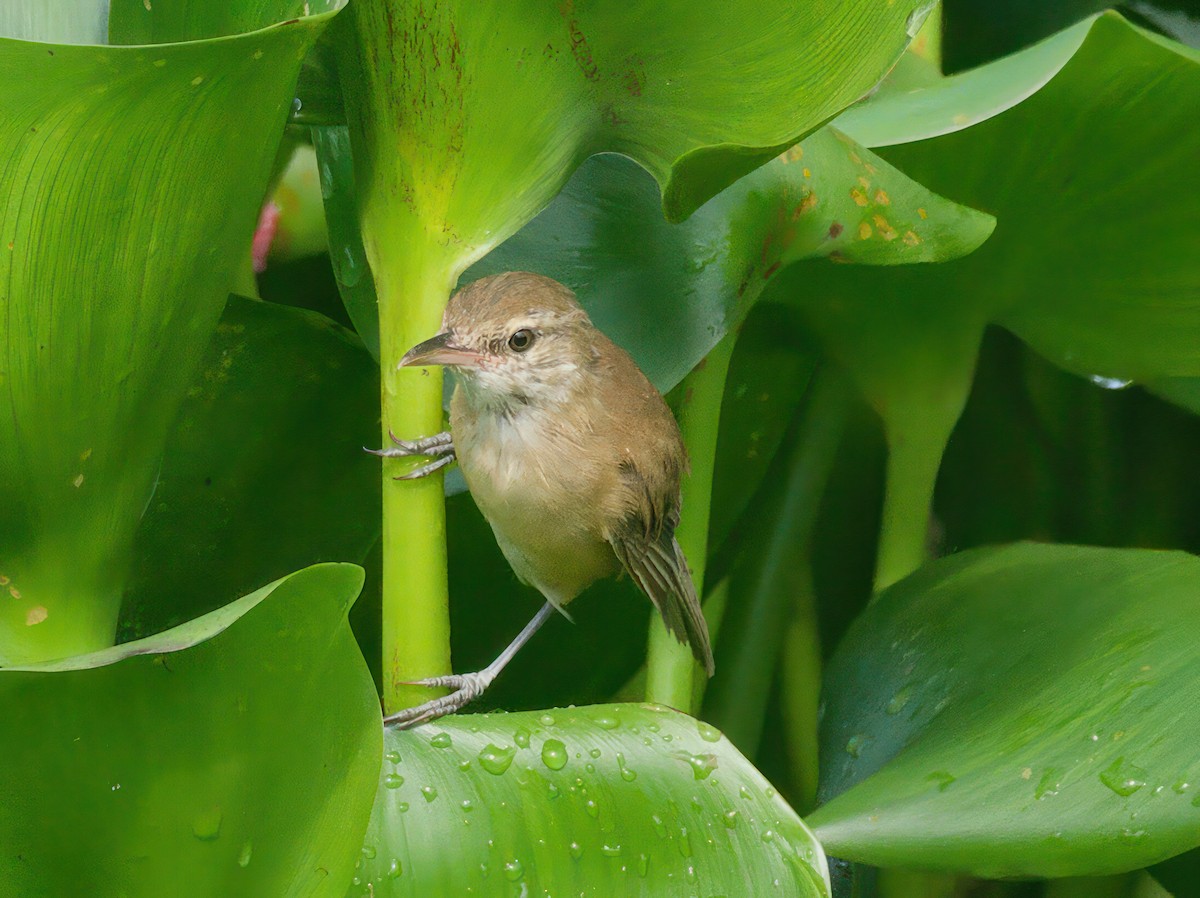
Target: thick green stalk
<point x="914" y="458"/>
<point x="773" y="567"/>
<point x="413" y="290"/>
<point x="670" y="665"/>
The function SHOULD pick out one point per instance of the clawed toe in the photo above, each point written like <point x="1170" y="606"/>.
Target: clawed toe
<point x="467" y="688"/>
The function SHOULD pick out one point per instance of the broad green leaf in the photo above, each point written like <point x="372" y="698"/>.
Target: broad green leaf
<point x="668" y="293"/>
<point x="633" y="800"/>
<point x="129" y="189"/>
<point x="264" y="470"/>
<point x="1018" y="711"/>
<point x="235" y="755"/>
<point x="1091" y="179"/>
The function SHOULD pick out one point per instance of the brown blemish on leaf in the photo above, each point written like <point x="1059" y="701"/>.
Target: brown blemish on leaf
<point x="774" y="267"/>
<point x="886" y="231"/>
<point x="911" y="238"/>
<point x="795" y="154"/>
<point x="858" y="196"/>
<point x="882" y="198"/>
<point x="835" y="230"/>
<point x="864" y="230"/>
<point x="805" y="205"/>
<point x="36" y="615"/>
<point x="14" y="592"/>
<point x="580" y="48"/>
<point x="837" y="256"/>
<point x="4" y="581"/>
<point x="634" y="78"/>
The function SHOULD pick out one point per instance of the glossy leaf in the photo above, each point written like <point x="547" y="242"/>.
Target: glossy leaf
<point x="129" y="189"/>
<point x="620" y="799"/>
<point x="1018" y="711"/>
<point x="235" y="755"/>
<point x="668" y="293"/>
<point x="1092" y="263"/>
<point x="264" y="470"/>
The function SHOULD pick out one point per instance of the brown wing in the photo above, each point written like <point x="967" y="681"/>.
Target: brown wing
<point x="657" y="565"/>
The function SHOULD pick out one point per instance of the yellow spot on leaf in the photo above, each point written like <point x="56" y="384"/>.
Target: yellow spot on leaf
<point x="865" y="182"/>
<point x="923" y="213"/>
<point x="4" y="581"/>
<point x="36" y="615"/>
<point x="1026" y="773"/>
<point x="146" y="3"/>
<point x="795" y="154"/>
<point x="855" y="158"/>
<point x="882" y="198"/>
<point x="886" y="231"/>
<point x="85" y="454"/>
<point x="78" y="481"/>
<point x="961" y="119"/>
<point x="14" y="592"/>
<point x="808" y="173"/>
<point x="858" y="196"/>
<point x="864" y="231"/>
<point x="870" y="168"/>
<point x="911" y="238"/>
<point x="197" y="80"/>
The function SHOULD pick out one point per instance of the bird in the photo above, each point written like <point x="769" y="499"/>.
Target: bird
<point x="569" y="452"/>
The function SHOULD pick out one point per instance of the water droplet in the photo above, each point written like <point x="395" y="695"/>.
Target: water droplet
<point x="730" y="818"/>
<point x="575" y="850"/>
<point x="1132" y="835"/>
<point x="441" y="740"/>
<point x="552" y="790"/>
<point x="546" y="720"/>
<point x="592" y="808"/>
<point x="496" y="760"/>
<point x="610" y="850"/>
<point x="392" y="757"/>
<point x="368" y="851"/>
<point x="702" y="765"/>
<point x="595" y="752"/>
<point x="483" y="867"/>
<point x="402" y="806"/>
<point x="643" y="865"/>
<point x="744" y="792"/>
<point x="393" y="781"/>
<point x="1109" y="383"/>
<point x="626" y="774"/>
<point x="1123" y="777"/>
<point x="917" y="18"/>
<point x="467" y="805"/>
<point x="464" y="764"/>
<point x="245" y="854"/>
<point x="207" y="825"/>
<point x="521" y="737"/>
<point x="429" y="793"/>
<point x="514" y="870"/>
<point x="856" y="743"/>
<point x="659" y="826"/>
<point x="900" y="699"/>
<point x="685" y="842"/>
<point x="1181" y="786"/>
<point x="1049" y="784"/>
<point x="394" y="869"/>
<point x="943" y="778"/>
<point x="590" y="767"/>
<point x="708" y="732"/>
<point x="606" y="722"/>
<point x="554" y="754"/>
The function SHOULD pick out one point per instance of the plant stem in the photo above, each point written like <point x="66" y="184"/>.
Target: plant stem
<point x="412" y="289"/>
<point x="774" y="566"/>
<point x="914" y="457"/>
<point x="670" y="665"/>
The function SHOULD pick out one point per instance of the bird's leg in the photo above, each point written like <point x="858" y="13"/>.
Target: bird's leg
<point x="467" y="687"/>
<point x="439" y="447"/>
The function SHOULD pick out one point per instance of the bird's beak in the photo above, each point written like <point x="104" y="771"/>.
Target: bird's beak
<point x="440" y="350"/>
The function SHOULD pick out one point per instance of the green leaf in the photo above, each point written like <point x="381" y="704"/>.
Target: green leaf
<point x="620" y="799"/>
<point x="668" y="293"/>
<point x="1092" y="181"/>
<point x="235" y="755"/>
<point x="131" y="184"/>
<point x="264" y="471"/>
<point x="1018" y="711"/>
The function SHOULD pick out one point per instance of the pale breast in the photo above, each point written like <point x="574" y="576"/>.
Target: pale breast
<point x="533" y="486"/>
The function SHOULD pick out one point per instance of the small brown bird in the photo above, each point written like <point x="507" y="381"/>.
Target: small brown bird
<point x="569" y="452"/>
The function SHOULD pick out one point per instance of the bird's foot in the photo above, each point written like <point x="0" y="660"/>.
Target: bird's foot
<point x="467" y="688"/>
<point x="438" y="444"/>
<point x="439" y="447"/>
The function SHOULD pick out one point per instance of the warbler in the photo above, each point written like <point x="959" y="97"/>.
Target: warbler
<point x="569" y="451"/>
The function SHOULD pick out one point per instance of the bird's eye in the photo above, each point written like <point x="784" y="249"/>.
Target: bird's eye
<point x="521" y="340"/>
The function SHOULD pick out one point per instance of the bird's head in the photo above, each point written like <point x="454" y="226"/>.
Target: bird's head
<point x="515" y="339"/>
